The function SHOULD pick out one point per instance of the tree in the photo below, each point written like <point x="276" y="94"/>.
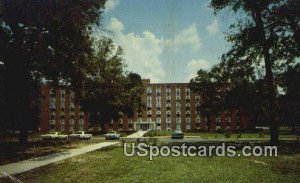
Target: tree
<point x="206" y="86"/>
<point x="265" y="35"/>
<point x="289" y="102"/>
<point x="108" y="90"/>
<point x="42" y="40"/>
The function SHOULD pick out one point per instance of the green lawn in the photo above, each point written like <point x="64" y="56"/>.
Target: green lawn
<point x="112" y="166"/>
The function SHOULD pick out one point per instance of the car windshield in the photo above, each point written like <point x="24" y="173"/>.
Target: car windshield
<point x="78" y="132"/>
<point x="52" y="132"/>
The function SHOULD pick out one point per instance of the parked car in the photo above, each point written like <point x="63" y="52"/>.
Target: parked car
<point x="54" y="135"/>
<point x="112" y="135"/>
<point x="81" y="135"/>
<point x="177" y="134"/>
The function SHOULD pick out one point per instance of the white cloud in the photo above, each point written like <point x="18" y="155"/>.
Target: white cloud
<point x="213" y="27"/>
<point x="141" y="52"/>
<point x="115" y="25"/>
<point x="194" y="65"/>
<point x="111" y="4"/>
<point x="186" y="37"/>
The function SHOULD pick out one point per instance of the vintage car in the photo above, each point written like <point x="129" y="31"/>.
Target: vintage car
<point x="111" y="135"/>
<point x="177" y="134"/>
<point x="80" y="135"/>
<point x="54" y="135"/>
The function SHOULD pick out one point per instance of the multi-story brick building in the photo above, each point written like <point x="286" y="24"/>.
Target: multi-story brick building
<point x="169" y="106"/>
<point x="60" y="111"/>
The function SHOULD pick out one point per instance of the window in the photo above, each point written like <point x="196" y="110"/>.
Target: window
<point x="188" y="120"/>
<point x="188" y="126"/>
<point x="228" y="121"/>
<point x="168" y="126"/>
<point x="149" y="90"/>
<point x="218" y="121"/>
<point x="52" y="122"/>
<point x="158" y="90"/>
<point x="62" y="121"/>
<point x="197" y="120"/>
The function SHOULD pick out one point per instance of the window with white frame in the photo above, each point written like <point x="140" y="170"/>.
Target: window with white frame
<point x="158" y="120"/>
<point x="188" y="126"/>
<point x="120" y="121"/>
<point x="149" y="90"/>
<point x="168" y="126"/>
<point x="188" y="120"/>
<point x="168" y="120"/>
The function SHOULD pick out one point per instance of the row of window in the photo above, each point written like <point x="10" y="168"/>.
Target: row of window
<point x="188" y="120"/>
<point x="71" y="121"/>
<point x="168" y="89"/>
<point x="168" y="97"/>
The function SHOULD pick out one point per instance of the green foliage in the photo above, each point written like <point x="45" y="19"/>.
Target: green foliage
<point x="108" y="90"/>
<point x="267" y="34"/>
<point x="42" y="40"/>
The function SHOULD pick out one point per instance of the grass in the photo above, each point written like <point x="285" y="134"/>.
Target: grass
<point x="112" y="166"/>
<point x="12" y="151"/>
<point x="234" y="136"/>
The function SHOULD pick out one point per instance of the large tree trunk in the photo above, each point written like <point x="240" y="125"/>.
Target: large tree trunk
<point x="271" y="106"/>
<point x="271" y="102"/>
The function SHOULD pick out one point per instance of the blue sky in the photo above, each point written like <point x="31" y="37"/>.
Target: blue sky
<point x="167" y="40"/>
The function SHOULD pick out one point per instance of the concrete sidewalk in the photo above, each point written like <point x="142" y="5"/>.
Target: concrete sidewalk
<point x="22" y="166"/>
<point x="136" y="134"/>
